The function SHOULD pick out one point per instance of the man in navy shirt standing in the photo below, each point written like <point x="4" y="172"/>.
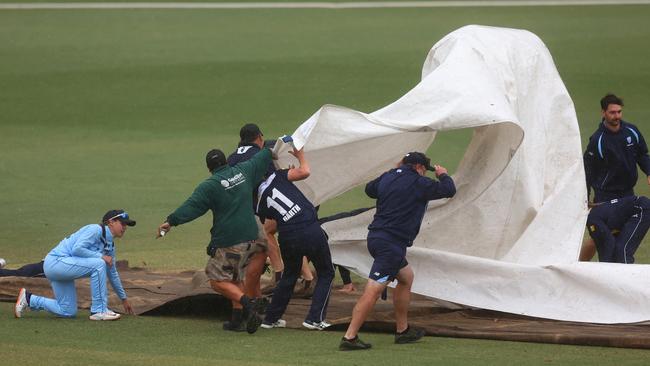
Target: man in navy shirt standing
<point x="402" y="196"/>
<point x="299" y="233"/>
<point x="629" y="218"/>
<point x="613" y="153"/>
<point x="251" y="142"/>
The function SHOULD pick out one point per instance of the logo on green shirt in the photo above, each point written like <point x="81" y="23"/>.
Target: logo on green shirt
<point x="236" y="180"/>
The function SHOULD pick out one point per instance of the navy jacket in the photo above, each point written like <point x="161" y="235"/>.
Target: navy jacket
<point x="283" y="202"/>
<point x="244" y="152"/>
<point x="611" y="158"/>
<point x="402" y="197"/>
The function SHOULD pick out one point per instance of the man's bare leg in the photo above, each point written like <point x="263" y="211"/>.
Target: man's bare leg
<point x="363" y="307"/>
<point x="588" y="250"/>
<point x="274" y="256"/>
<point x="305" y="271"/>
<point x="308" y="278"/>
<point x="233" y="292"/>
<point x="229" y="289"/>
<point x="254" y="271"/>
<point x="402" y="297"/>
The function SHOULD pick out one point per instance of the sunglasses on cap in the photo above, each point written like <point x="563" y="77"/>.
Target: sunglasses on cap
<point x="123" y="216"/>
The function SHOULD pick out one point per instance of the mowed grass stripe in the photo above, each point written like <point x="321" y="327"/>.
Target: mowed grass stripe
<point x="312" y="4"/>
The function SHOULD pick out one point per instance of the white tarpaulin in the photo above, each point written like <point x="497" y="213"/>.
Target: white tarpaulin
<point x="509" y="240"/>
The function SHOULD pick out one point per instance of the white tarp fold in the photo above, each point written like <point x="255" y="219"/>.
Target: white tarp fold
<point x="509" y="239"/>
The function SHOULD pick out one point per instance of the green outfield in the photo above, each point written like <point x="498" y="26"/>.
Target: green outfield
<point x="194" y="341"/>
<point x="108" y="109"/>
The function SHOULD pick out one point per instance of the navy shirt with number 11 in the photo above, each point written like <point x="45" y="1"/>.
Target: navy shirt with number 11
<point x="282" y="201"/>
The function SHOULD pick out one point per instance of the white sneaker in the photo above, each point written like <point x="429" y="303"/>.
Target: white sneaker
<point x="21" y="303"/>
<point x="315" y="325"/>
<point x="280" y="323"/>
<point x="109" y="311"/>
<point x="109" y="315"/>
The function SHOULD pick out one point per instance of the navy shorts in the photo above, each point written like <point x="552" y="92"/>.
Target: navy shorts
<point x="389" y="259"/>
<point x="603" y="196"/>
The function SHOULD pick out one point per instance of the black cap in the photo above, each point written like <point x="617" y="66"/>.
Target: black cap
<point x="249" y="132"/>
<point x="214" y="159"/>
<point x="418" y="158"/>
<point x="118" y="215"/>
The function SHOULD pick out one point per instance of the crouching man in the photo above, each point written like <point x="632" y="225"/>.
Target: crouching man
<point x="618" y="227"/>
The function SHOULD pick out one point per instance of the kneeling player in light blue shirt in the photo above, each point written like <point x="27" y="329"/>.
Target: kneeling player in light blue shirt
<point x="89" y="252"/>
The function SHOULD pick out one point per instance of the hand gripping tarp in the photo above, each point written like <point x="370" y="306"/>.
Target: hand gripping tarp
<point x="509" y="240"/>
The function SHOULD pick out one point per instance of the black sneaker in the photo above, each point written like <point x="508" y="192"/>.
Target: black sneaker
<point x="233" y="327"/>
<point x="253" y="319"/>
<point x="353" y="344"/>
<point x="409" y="336"/>
<point x="262" y="303"/>
<point x="253" y="323"/>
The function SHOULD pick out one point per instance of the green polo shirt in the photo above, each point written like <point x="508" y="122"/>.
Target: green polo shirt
<point x="228" y="193"/>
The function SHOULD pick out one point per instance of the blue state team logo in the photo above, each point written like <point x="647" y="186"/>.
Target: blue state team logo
<point x="378" y="277"/>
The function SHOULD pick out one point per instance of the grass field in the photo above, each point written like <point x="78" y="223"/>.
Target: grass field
<point x="105" y="109"/>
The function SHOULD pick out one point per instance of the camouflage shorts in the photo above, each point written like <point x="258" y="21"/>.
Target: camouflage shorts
<point x="229" y="264"/>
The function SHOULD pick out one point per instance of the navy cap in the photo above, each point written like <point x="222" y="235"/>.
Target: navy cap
<point x="121" y="215"/>
<point x="418" y="158"/>
<point x="249" y="132"/>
